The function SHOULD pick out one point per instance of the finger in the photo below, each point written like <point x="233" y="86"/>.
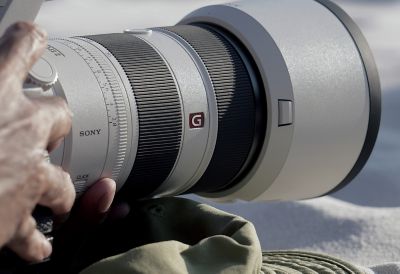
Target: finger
<point x="29" y="243"/>
<point x="92" y="208"/>
<point x="118" y="211"/>
<point x="55" y="111"/>
<point x="54" y="145"/>
<point x="59" y="192"/>
<point x="20" y="47"/>
<point x="98" y="198"/>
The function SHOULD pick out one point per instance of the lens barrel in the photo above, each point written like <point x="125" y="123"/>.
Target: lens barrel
<point x="159" y="107"/>
<point x="253" y="100"/>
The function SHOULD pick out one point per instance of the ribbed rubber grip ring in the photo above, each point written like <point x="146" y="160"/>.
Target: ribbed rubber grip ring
<point x="159" y="111"/>
<point x="289" y="262"/>
<point x="235" y="100"/>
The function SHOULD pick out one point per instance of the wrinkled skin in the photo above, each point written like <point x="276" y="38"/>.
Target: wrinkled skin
<point x="27" y="128"/>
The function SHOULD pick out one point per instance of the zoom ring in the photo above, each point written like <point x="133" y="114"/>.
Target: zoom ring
<point x="159" y="111"/>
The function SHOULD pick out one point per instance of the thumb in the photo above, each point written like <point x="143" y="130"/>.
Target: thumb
<point x="20" y="47"/>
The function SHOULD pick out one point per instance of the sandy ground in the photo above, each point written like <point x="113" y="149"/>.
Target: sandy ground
<point x="360" y="223"/>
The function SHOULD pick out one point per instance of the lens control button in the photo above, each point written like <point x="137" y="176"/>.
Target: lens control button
<point x="285" y="108"/>
<point x="43" y="74"/>
<point x="138" y="31"/>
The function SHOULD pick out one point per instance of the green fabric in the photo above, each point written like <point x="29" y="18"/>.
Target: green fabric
<point x="188" y="237"/>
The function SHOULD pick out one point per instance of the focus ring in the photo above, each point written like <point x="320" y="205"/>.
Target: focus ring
<point x="236" y="105"/>
<point x="159" y="111"/>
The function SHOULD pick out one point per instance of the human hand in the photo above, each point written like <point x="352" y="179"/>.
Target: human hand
<point x="94" y="212"/>
<point x="27" y="128"/>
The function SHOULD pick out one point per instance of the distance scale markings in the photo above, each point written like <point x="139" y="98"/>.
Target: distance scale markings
<point x="114" y="104"/>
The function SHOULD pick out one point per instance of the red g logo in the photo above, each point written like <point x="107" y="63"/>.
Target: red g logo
<point x="196" y="120"/>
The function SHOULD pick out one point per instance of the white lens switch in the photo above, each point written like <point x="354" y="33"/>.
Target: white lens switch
<point x="285" y="108"/>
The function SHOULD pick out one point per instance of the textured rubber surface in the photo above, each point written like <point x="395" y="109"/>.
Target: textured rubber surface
<point x="159" y="110"/>
<point x="292" y="262"/>
<point x="236" y="105"/>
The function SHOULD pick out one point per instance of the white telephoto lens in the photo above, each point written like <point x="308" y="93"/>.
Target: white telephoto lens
<point x="253" y="100"/>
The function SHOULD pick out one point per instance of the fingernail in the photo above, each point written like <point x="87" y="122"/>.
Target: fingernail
<point x="70" y="113"/>
<point x="104" y="203"/>
<point x="46" y="248"/>
<point x="60" y="220"/>
<point x="42" y="33"/>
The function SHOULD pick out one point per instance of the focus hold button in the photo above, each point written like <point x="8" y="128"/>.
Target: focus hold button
<point x="43" y="74"/>
<point x="138" y="31"/>
<point x="285" y="108"/>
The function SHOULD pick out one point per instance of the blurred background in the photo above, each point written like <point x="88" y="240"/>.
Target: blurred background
<point x="361" y="223"/>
